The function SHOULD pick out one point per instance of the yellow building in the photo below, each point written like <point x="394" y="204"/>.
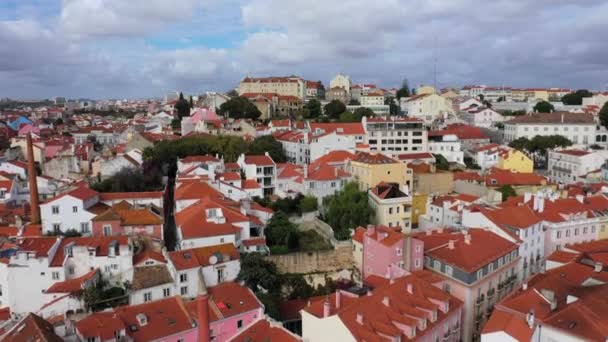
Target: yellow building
<point x="515" y="161"/>
<point x="418" y="207"/>
<point x="392" y="206"/>
<point x="370" y="169"/>
<point x="603" y="231"/>
<point x="530" y="94"/>
<point x="425" y="90"/>
<point x="286" y="86"/>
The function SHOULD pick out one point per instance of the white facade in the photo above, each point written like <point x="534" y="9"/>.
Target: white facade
<point x="67" y="212"/>
<point x="372" y="99"/>
<point x="567" y="166"/>
<point x="483" y="117"/>
<point x="449" y="147"/>
<point x="426" y="107"/>
<point x="395" y="136"/>
<point x="577" y="133"/>
<point x="321" y="145"/>
<point x="342" y="81"/>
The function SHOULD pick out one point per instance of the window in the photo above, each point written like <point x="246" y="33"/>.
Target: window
<point x="417" y="263"/>
<point x="166" y="292"/>
<point x="55" y="275"/>
<point x="71" y="270"/>
<point x="107" y="230"/>
<point x="183" y="278"/>
<point x="576" y="230"/>
<point x="55" y="210"/>
<point x="239" y="324"/>
<point x="559" y="235"/>
<point x="390" y="210"/>
<point x="183" y="290"/>
<point x="585" y="230"/>
<point x="220" y="275"/>
<point x="398" y="251"/>
<point x="74" y="209"/>
<point x="449" y="270"/>
<point x="147" y="296"/>
<point x="84" y="227"/>
<point x="436" y="265"/>
<point x="480" y="274"/>
<point x="490" y="267"/>
<point x="56" y="227"/>
<point x="567" y="232"/>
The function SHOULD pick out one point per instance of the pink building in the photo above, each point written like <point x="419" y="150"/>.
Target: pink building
<point x="232" y="309"/>
<point x="404" y="309"/>
<point x="125" y="219"/>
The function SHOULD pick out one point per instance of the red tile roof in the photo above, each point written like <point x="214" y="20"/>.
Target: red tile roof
<point x="32" y="328"/>
<point x="259" y="160"/>
<point x="114" y="196"/>
<point x="197" y="257"/>
<point x="39" y="245"/>
<point x="72" y="285"/>
<point x="553" y="118"/>
<point x="512" y="324"/>
<point x="100" y="324"/>
<point x="199" y="159"/>
<point x="377" y="158"/>
<point x="250" y="184"/>
<point x="263" y="331"/>
<point x="462" y="131"/>
<point x="576" y="153"/>
<point x="99" y="244"/>
<point x="483" y="248"/>
<point x="351" y="128"/>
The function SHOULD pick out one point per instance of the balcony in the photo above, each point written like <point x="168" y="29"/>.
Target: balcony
<point x="562" y="169"/>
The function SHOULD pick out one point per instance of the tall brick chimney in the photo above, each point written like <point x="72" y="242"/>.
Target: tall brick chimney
<point x="32" y="178"/>
<point x="202" y="310"/>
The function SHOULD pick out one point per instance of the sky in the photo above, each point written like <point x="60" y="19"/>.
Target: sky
<point x="145" y="48"/>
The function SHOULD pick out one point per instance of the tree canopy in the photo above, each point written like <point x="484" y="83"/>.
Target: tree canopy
<point x="267" y="143"/>
<point x="576" y="98"/>
<point x="404" y="91"/>
<point x="257" y="272"/>
<point x="280" y="231"/>
<point x="394" y="108"/>
<point x="182" y="106"/>
<point x="347" y="209"/>
<point x="441" y="162"/>
<point x="604" y="115"/>
<point x="129" y="180"/>
<point x="543" y="107"/>
<point x="506" y="191"/>
<point x="239" y="108"/>
<point x="167" y="151"/>
<point x="313" y="107"/>
<point x="334" y="108"/>
<point x="540" y="144"/>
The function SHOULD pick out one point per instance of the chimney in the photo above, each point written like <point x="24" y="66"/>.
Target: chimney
<point x="386" y="301"/>
<point x="467" y="239"/>
<point x="524" y="286"/>
<point x="389" y="271"/>
<point x="562" y="117"/>
<point x="202" y="310"/>
<point x="338" y="299"/>
<point x="360" y="318"/>
<point x="580" y="198"/>
<point x="527" y="197"/>
<point x="597" y="267"/>
<point x="305" y="167"/>
<point x="371" y="229"/>
<point x="530" y="318"/>
<point x="326" y="308"/>
<point x="535" y="204"/>
<point x="410" y="288"/>
<point x="451" y="244"/>
<point x="32" y="178"/>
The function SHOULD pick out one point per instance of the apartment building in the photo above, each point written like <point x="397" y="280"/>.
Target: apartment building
<point x="394" y="136"/>
<point x="370" y="170"/>
<point x="285" y="86"/>
<point x="449" y="146"/>
<point x="572" y="165"/>
<point x="392" y="206"/>
<point x="427" y="107"/>
<point x="579" y="128"/>
<point x="261" y="169"/>
<point x="489" y="93"/>
<point x="480" y="267"/>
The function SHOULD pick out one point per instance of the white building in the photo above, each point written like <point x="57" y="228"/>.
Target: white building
<point x="261" y="169"/>
<point x="482" y="117"/>
<point x="393" y="136"/>
<point x="569" y="165"/>
<point x="341" y="81"/>
<point x="448" y="146"/>
<point x="578" y="128"/>
<point x="427" y="107"/>
<point x="69" y="211"/>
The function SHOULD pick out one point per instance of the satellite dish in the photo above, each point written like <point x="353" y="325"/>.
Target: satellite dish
<point x="213" y="260"/>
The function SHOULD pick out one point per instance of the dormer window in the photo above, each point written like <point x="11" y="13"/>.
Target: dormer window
<point x="69" y="252"/>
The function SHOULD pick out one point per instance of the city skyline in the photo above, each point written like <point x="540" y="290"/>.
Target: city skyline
<point x="113" y="49"/>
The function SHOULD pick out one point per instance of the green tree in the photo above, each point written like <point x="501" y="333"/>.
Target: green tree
<point x="360" y="112"/>
<point x="347" y="209"/>
<point x="279" y="229"/>
<point x="232" y="93"/>
<point x="314" y="109"/>
<point x="576" y="98"/>
<point x="347" y="116"/>
<point x="267" y="143"/>
<point x="176" y="123"/>
<point x="129" y="180"/>
<point x="394" y="108"/>
<point x="298" y="288"/>
<point x="404" y="91"/>
<point x="354" y="102"/>
<point x="239" y="108"/>
<point x="604" y="115"/>
<point x="522" y="144"/>
<point x="543" y="107"/>
<point x="334" y="108"/>
<point x="182" y="106"/>
<point x="506" y="191"/>
<point x="308" y="204"/>
<point x="257" y="272"/>
<point x="441" y="163"/>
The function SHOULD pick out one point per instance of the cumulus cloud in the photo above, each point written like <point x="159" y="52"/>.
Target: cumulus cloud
<point x="103" y="48"/>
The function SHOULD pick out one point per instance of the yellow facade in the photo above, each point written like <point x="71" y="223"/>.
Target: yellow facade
<point x="368" y="175"/>
<point x="393" y="212"/>
<point x="425" y="90"/>
<point x="418" y="207"/>
<point x="516" y="161"/>
<point x="603" y="231"/>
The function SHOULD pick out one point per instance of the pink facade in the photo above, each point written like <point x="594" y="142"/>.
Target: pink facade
<point x="188" y="335"/>
<point x="28" y="128"/>
<point x="155" y="231"/>
<point x="225" y="329"/>
<point x="382" y="248"/>
<point x="415" y="250"/>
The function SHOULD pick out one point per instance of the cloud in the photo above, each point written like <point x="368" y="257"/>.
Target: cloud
<point x="116" y="48"/>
